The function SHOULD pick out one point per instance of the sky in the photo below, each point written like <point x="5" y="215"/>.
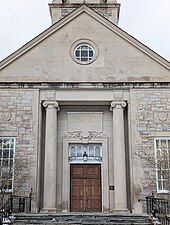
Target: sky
<point x="146" y="20"/>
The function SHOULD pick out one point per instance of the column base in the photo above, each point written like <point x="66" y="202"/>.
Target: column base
<point x="48" y="210"/>
<point x="123" y="210"/>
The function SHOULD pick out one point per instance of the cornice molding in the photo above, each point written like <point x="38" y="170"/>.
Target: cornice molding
<point x="85" y="86"/>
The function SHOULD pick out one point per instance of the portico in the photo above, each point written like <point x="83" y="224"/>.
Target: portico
<point x="79" y="123"/>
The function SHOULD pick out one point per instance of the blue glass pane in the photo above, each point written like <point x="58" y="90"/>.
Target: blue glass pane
<point x="84" y="59"/>
<point x="84" y="53"/>
<point x="91" y="151"/>
<point x="90" y="53"/>
<point x="73" y="151"/>
<point x="97" y="151"/>
<point x="79" y="151"/>
<point x="84" y="47"/>
<point x="77" y="53"/>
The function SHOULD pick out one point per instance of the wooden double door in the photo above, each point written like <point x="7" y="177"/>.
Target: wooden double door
<point x="85" y="188"/>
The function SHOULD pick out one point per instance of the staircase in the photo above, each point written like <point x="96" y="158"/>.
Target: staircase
<point x="83" y="219"/>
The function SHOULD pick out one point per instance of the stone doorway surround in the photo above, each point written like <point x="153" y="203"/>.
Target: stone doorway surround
<point x="75" y="137"/>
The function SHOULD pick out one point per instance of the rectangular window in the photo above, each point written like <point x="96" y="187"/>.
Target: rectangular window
<point x="7" y="151"/>
<point x="93" y="152"/>
<point x="162" y="156"/>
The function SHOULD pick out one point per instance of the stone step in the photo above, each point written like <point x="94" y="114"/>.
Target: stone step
<point x="83" y="219"/>
<point x="56" y="223"/>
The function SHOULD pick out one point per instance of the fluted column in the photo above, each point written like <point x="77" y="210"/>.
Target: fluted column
<point x="50" y="160"/>
<point x="120" y="189"/>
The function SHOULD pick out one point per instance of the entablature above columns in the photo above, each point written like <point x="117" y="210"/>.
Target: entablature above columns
<point x="82" y="97"/>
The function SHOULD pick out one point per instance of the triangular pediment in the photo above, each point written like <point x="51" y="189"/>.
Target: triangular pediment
<point x="47" y="57"/>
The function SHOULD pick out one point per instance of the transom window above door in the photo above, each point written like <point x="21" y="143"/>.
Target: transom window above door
<point x="85" y="152"/>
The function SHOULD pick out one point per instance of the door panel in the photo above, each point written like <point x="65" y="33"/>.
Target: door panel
<point x="85" y="188"/>
<point x="77" y="195"/>
<point x="92" y="187"/>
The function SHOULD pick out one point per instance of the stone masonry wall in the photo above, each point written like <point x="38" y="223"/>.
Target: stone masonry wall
<point x="151" y="111"/>
<point x="105" y="12"/>
<point x="18" y="118"/>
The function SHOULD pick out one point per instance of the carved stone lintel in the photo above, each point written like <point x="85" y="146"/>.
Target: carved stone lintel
<point x="117" y="104"/>
<point x="51" y="105"/>
<point x="73" y="135"/>
<point x="96" y="135"/>
<point x="81" y="137"/>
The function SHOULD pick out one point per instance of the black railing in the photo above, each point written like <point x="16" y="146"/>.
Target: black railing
<point x="19" y="204"/>
<point x="14" y="204"/>
<point x="159" y="209"/>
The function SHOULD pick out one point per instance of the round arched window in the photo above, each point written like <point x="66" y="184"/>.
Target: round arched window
<point x="84" y="52"/>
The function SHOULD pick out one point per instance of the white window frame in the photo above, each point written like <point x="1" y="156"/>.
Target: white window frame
<point x="80" y="49"/>
<point x="91" y="45"/>
<point x="85" y="148"/>
<point x="8" y="159"/>
<point x="161" y="180"/>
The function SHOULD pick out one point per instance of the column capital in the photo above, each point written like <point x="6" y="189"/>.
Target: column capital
<point x="117" y="104"/>
<point x="51" y="105"/>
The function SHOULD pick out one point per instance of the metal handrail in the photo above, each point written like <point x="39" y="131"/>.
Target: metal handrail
<point x="159" y="208"/>
<point x="14" y="204"/>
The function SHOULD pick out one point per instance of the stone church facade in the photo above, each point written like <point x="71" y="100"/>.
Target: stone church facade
<point x="78" y="104"/>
